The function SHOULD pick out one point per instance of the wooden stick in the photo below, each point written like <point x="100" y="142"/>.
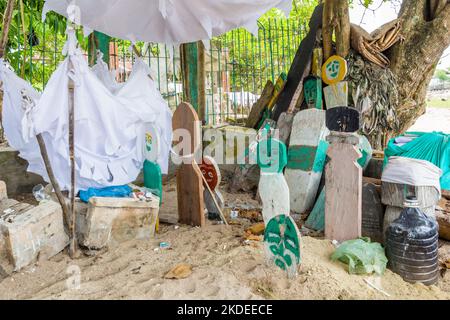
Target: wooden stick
<point x="7" y="17"/>
<point x="213" y="197"/>
<point x="73" y="243"/>
<point x="53" y="181"/>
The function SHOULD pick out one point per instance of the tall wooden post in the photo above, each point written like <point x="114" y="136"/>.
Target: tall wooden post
<point x="7" y="17"/>
<point x="193" y="69"/>
<point x="98" y="41"/>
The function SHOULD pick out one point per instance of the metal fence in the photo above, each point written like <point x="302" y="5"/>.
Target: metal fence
<point x="237" y="64"/>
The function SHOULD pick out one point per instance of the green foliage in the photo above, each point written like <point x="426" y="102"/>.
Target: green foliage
<point x="442" y="75"/>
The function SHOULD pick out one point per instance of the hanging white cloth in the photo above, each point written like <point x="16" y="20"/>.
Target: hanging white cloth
<point x="109" y="126"/>
<point x="165" y="21"/>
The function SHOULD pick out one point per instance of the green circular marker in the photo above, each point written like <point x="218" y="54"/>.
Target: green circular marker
<point x="282" y="243"/>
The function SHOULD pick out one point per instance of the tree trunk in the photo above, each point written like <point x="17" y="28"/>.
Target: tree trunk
<point x="426" y="32"/>
<point x="342" y="28"/>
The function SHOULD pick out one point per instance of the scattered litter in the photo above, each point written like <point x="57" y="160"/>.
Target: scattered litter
<point x="376" y="288"/>
<point x="164" y="245"/>
<point x="8" y="211"/>
<point x="181" y="271"/>
<point x="234" y="214"/>
<point x="257" y="229"/>
<point x="176" y="227"/>
<point x="335" y="243"/>
<point x="39" y="193"/>
<point x="362" y="256"/>
<point x="252" y="237"/>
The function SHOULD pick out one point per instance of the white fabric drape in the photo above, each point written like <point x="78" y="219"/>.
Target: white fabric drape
<point x="109" y="126"/>
<point x="165" y="21"/>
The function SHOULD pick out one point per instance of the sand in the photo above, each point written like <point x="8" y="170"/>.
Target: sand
<point x="224" y="267"/>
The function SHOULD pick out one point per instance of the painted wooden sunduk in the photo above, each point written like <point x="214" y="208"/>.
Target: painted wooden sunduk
<point x="282" y="244"/>
<point x="313" y="92"/>
<point x="307" y="155"/>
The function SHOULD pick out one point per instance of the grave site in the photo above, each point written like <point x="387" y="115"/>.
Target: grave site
<point x="317" y="192"/>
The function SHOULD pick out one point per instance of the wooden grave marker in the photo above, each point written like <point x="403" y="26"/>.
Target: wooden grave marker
<point x="212" y="177"/>
<point x="343" y="119"/>
<point x="343" y="179"/>
<point x="191" y="205"/>
<point x="313" y="92"/>
<point x="306" y="158"/>
<point x="282" y="244"/>
<point x="273" y="188"/>
<point x="334" y="70"/>
<point x="336" y="95"/>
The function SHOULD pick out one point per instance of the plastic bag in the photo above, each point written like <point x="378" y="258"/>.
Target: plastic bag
<point x="362" y="256"/>
<point x="108" y="192"/>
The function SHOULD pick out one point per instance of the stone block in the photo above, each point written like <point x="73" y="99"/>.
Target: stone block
<point x="31" y="233"/>
<point x="110" y="221"/>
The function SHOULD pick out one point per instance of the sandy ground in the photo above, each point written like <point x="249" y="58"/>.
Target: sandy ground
<point x="435" y="119"/>
<point x="224" y="267"/>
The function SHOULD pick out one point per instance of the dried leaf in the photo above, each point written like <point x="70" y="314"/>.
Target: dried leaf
<point x="252" y="237"/>
<point x="447" y="264"/>
<point x="257" y="229"/>
<point x="181" y="271"/>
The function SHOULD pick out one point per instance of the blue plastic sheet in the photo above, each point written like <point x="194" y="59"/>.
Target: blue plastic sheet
<point x="109" y="192"/>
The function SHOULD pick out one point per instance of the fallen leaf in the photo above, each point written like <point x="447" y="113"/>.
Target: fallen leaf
<point x="257" y="229"/>
<point x="252" y="237"/>
<point x="447" y="264"/>
<point x="181" y="271"/>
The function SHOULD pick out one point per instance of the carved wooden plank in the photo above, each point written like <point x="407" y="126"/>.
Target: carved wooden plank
<point x="306" y="158"/>
<point x="301" y="61"/>
<point x="258" y="108"/>
<point x="191" y="205"/>
<point x="313" y="92"/>
<point x="336" y="95"/>
<point x="343" y="200"/>
<point x="273" y="188"/>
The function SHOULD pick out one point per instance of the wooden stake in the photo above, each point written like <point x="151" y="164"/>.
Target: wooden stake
<point x="73" y="242"/>
<point x="53" y="181"/>
<point x="7" y="17"/>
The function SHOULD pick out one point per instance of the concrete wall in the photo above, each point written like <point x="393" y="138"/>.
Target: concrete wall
<point x="13" y="171"/>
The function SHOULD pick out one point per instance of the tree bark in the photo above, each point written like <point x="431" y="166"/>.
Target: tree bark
<point x="327" y="29"/>
<point x="426" y="32"/>
<point x="342" y="29"/>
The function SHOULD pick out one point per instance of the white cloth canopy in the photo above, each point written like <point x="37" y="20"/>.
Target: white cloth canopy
<point x="165" y="21"/>
<point x="110" y="125"/>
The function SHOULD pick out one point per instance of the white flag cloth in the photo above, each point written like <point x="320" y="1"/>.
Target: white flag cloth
<point x="165" y="21"/>
<point x="110" y="126"/>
